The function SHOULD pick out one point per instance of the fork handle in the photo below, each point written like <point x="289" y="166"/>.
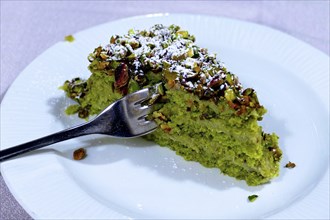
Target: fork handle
<point x="73" y="132"/>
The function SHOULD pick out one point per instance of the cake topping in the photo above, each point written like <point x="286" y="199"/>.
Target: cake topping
<point x="121" y="75"/>
<point x="169" y="55"/>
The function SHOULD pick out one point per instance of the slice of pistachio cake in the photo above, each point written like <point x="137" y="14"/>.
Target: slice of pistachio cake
<point x="202" y="110"/>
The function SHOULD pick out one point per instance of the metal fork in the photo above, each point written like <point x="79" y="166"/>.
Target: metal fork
<point x="125" y="118"/>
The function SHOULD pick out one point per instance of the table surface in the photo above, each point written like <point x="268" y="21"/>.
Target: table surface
<point x="28" y="28"/>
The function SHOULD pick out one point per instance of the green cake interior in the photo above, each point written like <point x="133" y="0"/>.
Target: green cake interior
<point x="202" y="110"/>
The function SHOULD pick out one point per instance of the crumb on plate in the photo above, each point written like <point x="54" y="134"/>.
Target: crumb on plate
<point x="252" y="198"/>
<point x="69" y="38"/>
<point x="79" y="154"/>
<point x="290" y="165"/>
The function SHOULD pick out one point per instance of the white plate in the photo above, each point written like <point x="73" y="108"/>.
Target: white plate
<point x="137" y="179"/>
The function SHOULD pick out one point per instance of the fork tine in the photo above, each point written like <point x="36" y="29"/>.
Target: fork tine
<point x="142" y="111"/>
<point x="147" y="125"/>
<point x="139" y="96"/>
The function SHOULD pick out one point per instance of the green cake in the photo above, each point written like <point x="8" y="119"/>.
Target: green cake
<point x="202" y="110"/>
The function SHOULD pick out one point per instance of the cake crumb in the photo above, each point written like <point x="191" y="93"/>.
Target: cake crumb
<point x="69" y="38"/>
<point x="79" y="154"/>
<point x="290" y="165"/>
<point x="252" y="198"/>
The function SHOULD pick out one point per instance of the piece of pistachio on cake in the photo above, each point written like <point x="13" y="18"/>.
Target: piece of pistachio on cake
<point x="203" y="112"/>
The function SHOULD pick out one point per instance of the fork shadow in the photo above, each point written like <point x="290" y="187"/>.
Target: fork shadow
<point x="140" y="152"/>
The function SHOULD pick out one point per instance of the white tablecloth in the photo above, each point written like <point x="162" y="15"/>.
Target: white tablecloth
<point x="28" y="28"/>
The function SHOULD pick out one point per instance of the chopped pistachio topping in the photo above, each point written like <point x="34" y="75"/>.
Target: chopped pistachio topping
<point x="170" y="55"/>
